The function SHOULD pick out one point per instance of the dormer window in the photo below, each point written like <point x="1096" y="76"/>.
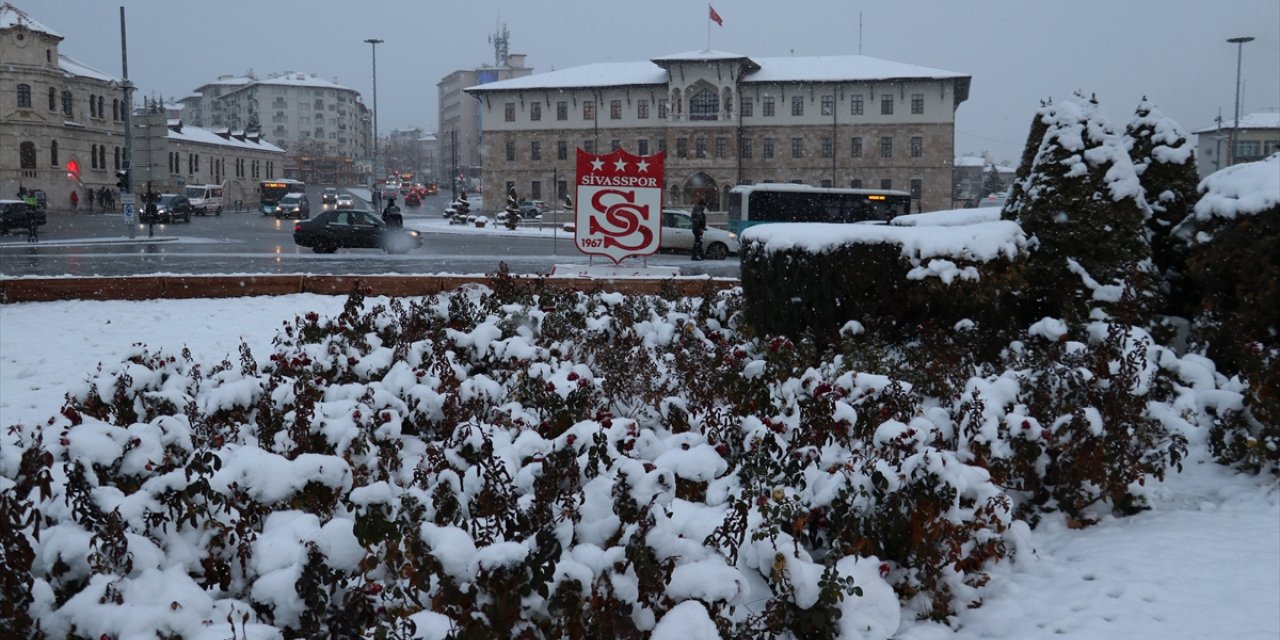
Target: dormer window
<point x="704" y="105"/>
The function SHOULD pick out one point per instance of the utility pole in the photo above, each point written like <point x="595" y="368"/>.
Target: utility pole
<point x="1231" y="146"/>
<point x="374" y="42"/>
<point x="126" y="197"/>
<point x="453" y="156"/>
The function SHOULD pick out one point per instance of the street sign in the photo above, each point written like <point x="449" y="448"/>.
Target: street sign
<point x="126" y="201"/>
<point x="619" y="204"/>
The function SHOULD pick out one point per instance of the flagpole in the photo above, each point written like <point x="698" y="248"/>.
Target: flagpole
<point x="708" y="26"/>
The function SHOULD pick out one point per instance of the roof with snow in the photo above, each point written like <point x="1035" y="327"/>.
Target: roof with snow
<point x="289" y="78"/>
<point x="11" y="16"/>
<point x="789" y="69"/>
<point x="186" y="133"/>
<point x="76" y="68"/>
<point x="1265" y="120"/>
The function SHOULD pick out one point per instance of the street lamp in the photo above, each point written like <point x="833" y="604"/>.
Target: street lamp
<point x="1231" y="142"/>
<point x="374" y="42"/>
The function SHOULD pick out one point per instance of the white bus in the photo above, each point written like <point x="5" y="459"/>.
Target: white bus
<point x="768" y="202"/>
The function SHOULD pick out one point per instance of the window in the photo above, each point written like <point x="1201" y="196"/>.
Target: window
<point x="768" y="107"/>
<point x="855" y="184"/>
<point x="53" y="99"/>
<point x="642" y="146"/>
<point x="682" y="147"/>
<point x="662" y="108"/>
<point x="917" y="103"/>
<point x="828" y="105"/>
<point x="589" y="146"/>
<point x="615" y="109"/>
<point x="828" y="147"/>
<point x="535" y="111"/>
<point x="700" y="147"/>
<point x="722" y="144"/>
<point x="704" y="105"/>
<point x="886" y="147"/>
<point x="1247" y="149"/>
<point x="642" y="109"/>
<point x="66" y="103"/>
<point x="615" y="144"/>
<point x="511" y="151"/>
<point x="767" y="151"/>
<point x="53" y="153"/>
<point x="93" y="156"/>
<point x="744" y="149"/>
<point x="562" y="189"/>
<point x="886" y="184"/>
<point x="116" y="165"/>
<point x="562" y="110"/>
<point x="855" y="147"/>
<point x="662" y="145"/>
<point x="797" y="147"/>
<point x="24" y="96"/>
<point x="102" y="156"/>
<point x="115" y="107"/>
<point x="588" y="110"/>
<point x="509" y="112"/>
<point x="535" y="150"/>
<point x="855" y="105"/>
<point x="535" y="190"/>
<point x="797" y="105"/>
<point x="93" y="106"/>
<point x="101" y="102"/>
<point x="826" y="184"/>
<point x="747" y="107"/>
<point x="27" y="155"/>
<point x="917" y="146"/>
<point x="917" y="188"/>
<point x="562" y="150"/>
<point x="886" y="104"/>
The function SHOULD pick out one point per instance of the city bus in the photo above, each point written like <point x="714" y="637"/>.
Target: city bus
<point x="766" y="202"/>
<point x="270" y="192"/>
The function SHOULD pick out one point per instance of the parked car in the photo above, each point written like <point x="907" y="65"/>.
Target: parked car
<point x="170" y="207"/>
<point x="350" y="229"/>
<point x="994" y="199"/>
<point x="677" y="235"/>
<point x="532" y="208"/>
<point x="13" y="215"/>
<point x="205" y="198"/>
<point x="294" y="205"/>
<point x="346" y="201"/>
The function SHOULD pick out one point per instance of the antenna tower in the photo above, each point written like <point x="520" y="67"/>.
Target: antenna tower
<point x="500" y="39"/>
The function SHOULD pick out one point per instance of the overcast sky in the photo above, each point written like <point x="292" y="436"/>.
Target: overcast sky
<point x="1017" y="51"/>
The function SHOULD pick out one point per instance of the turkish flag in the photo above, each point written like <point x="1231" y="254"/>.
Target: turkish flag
<point x="715" y="16"/>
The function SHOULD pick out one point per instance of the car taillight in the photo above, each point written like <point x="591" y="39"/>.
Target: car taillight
<point x="297" y="226"/>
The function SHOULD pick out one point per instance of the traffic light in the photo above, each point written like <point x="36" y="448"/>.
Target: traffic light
<point x="122" y="180"/>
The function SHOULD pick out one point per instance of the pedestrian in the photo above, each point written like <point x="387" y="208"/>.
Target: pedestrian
<point x="391" y="215"/>
<point x="75" y="200"/>
<point x="33" y="224"/>
<point x="88" y="200"/>
<point x="699" y="226"/>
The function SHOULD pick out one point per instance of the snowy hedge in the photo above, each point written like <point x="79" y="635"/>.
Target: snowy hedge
<point x="525" y="463"/>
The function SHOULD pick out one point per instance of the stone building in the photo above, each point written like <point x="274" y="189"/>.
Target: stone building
<point x="61" y="121"/>
<point x="322" y="125"/>
<point x="725" y="119"/>
<point x="170" y="155"/>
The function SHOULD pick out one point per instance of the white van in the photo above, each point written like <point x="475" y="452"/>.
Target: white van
<point x="205" y="198"/>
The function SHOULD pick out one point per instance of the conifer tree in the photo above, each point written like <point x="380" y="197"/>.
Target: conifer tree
<point x="1084" y="204"/>
<point x="991" y="182"/>
<point x="1039" y="125"/>
<point x="1166" y="167"/>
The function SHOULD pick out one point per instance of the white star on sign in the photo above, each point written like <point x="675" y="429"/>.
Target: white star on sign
<point x="597" y="164"/>
<point x="620" y="164"/>
<point x="642" y="166"/>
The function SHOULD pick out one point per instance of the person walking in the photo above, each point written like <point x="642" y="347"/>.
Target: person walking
<point x="88" y="200"/>
<point x="33" y="224"/>
<point x="391" y="215"/>
<point x="699" y="226"/>
<point x="75" y="200"/>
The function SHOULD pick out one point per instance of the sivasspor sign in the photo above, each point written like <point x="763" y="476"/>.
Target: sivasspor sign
<point x="619" y="204"/>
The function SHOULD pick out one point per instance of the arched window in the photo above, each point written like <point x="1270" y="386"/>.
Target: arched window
<point x="117" y="164"/>
<point x="115" y="109"/>
<point x="27" y="155"/>
<point x="66" y="103"/>
<point x="53" y="99"/>
<point x="101" y="103"/>
<point x="24" y="96"/>
<point x="53" y="153"/>
<point x="93" y="156"/>
<point x="102" y="156"/>
<point x="93" y="106"/>
<point x="704" y="105"/>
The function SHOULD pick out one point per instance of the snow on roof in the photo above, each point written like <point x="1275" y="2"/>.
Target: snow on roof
<point x="11" y="16"/>
<point x="792" y="69"/>
<point x="1244" y="189"/>
<point x="1265" y="120"/>
<point x="971" y="161"/>
<point x="77" y="68"/>
<point x="204" y="136"/>
<point x="291" y="78"/>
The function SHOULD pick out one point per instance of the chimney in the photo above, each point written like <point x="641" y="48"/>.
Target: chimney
<point x="516" y="60"/>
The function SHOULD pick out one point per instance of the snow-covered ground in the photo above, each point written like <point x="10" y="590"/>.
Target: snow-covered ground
<point x="1204" y="562"/>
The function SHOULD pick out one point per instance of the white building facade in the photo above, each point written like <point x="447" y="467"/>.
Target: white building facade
<point x="725" y="119"/>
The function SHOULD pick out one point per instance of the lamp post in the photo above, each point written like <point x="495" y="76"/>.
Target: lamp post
<point x="1231" y="143"/>
<point x="374" y="42"/>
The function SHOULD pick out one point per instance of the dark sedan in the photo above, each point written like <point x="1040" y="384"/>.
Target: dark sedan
<point x="170" y="207"/>
<point x="350" y="229"/>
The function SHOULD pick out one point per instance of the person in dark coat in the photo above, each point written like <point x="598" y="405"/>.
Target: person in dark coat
<point x="391" y="215"/>
<point x="33" y="224"/>
<point x="699" y="226"/>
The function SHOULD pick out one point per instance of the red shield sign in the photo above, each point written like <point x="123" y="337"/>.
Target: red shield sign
<point x="619" y="204"/>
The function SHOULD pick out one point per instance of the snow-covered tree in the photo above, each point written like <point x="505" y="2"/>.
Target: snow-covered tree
<point x="1039" y="125"/>
<point x="991" y="182"/>
<point x="1166" y="167"/>
<point x="1083" y="202"/>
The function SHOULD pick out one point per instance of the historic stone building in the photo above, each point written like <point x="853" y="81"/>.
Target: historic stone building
<point x="61" y="121"/>
<point x="725" y="119"/>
